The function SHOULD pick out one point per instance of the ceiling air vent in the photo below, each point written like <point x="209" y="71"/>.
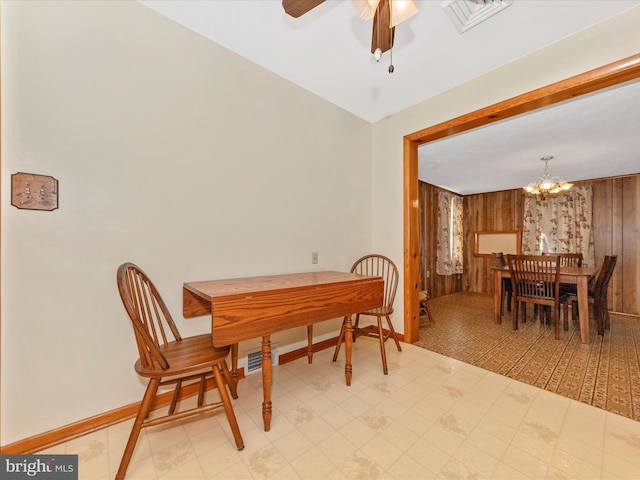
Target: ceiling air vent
<point x="466" y="14"/>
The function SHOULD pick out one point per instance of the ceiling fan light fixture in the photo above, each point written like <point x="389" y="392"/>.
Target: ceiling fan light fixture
<point x="547" y="183"/>
<point x="384" y="12"/>
<point x="401" y="10"/>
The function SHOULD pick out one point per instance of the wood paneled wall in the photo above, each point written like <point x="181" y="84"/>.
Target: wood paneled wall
<point x="616" y="217"/>
<point x="437" y="285"/>
<point x="494" y="211"/>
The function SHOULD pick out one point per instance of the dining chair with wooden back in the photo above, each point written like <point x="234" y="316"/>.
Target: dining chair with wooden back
<point x="568" y="260"/>
<point x="536" y="279"/>
<point x="379" y="266"/>
<point x="507" y="287"/>
<point x="598" y="295"/>
<point x="166" y="358"/>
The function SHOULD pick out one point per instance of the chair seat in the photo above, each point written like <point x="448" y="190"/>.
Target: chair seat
<point x="188" y="355"/>
<point x="574" y="295"/>
<point x="380" y="311"/>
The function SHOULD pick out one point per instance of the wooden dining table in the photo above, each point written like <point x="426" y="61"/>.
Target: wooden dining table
<point x="578" y="276"/>
<point x="247" y="308"/>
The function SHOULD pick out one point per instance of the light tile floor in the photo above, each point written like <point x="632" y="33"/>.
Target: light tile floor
<point x="431" y="417"/>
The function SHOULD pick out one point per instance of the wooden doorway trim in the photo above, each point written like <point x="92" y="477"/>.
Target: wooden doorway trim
<point x="593" y="80"/>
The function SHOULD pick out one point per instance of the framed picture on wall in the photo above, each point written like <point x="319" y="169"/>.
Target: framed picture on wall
<point x="505" y="241"/>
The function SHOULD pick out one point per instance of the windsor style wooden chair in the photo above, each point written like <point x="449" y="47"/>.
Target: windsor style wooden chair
<point x="380" y="266"/>
<point x="166" y="358"/>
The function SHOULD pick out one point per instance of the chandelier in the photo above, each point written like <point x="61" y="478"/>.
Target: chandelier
<point x="547" y="183"/>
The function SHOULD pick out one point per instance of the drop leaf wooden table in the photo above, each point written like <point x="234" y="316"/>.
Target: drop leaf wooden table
<point x="246" y="308"/>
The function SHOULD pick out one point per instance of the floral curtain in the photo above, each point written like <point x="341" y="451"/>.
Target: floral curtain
<point x="560" y="224"/>
<point x="450" y="235"/>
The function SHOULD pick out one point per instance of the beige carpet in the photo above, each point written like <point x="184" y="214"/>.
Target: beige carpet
<point x="605" y="373"/>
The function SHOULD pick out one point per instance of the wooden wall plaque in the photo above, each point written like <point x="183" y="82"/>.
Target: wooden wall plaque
<point x="34" y="192"/>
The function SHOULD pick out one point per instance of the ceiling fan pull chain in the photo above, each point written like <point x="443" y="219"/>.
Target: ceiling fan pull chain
<point x="390" y="49"/>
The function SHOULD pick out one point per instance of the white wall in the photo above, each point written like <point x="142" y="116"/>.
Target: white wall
<point x="604" y="43"/>
<point x="170" y="152"/>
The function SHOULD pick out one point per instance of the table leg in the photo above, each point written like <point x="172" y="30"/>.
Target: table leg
<point x="348" y="343"/>
<point x="497" y="296"/>
<point x="310" y="343"/>
<point x="234" y="370"/>
<point x="266" y="381"/>
<point x="583" y="307"/>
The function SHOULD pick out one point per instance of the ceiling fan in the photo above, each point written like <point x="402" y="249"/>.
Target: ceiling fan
<point x="386" y="15"/>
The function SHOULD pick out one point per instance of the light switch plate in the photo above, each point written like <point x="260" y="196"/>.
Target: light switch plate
<point x="34" y="192"/>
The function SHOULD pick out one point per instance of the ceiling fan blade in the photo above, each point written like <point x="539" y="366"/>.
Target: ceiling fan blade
<point x="296" y="8"/>
<point x="365" y="9"/>
<point x="382" y="36"/>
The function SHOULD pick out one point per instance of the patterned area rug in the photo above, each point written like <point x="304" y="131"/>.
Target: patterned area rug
<point x="605" y="373"/>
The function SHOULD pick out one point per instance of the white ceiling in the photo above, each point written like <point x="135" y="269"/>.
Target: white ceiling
<point x="592" y="136"/>
<point x="327" y="51"/>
